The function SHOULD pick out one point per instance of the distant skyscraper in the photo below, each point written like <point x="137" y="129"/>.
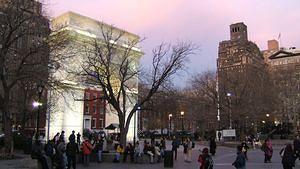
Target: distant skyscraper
<point x="240" y="69"/>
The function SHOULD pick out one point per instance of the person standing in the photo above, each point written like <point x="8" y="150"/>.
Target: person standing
<point x="240" y="161"/>
<point x="185" y="149"/>
<point x="56" y="138"/>
<point x="212" y="146"/>
<point x="189" y="150"/>
<point x="99" y="148"/>
<point x="245" y="149"/>
<point x="268" y="150"/>
<point x="78" y="136"/>
<point x="297" y="146"/>
<point x="62" y="136"/>
<point x="205" y="160"/>
<point x="86" y="151"/>
<point x="175" y="145"/>
<point x="72" y="136"/>
<point x="288" y="157"/>
<point x="71" y="151"/>
<point x="60" y="155"/>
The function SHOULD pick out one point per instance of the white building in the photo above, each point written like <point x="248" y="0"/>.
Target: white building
<point x="66" y="107"/>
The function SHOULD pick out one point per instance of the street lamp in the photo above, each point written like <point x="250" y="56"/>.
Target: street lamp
<point x="38" y="104"/>
<point x="170" y="116"/>
<point x="182" y="113"/>
<point x="230" y="111"/>
<point x="134" y="127"/>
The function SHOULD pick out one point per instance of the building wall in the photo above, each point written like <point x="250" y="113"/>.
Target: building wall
<point x="82" y="28"/>
<point x="240" y="68"/>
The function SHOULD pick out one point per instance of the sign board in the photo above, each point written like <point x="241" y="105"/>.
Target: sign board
<point x="229" y="133"/>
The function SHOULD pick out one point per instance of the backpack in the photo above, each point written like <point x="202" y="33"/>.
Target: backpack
<point x="209" y="163"/>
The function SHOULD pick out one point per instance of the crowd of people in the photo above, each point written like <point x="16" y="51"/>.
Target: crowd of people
<point x="64" y="154"/>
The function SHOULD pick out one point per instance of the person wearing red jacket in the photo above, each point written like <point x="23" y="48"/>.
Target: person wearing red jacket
<point x="205" y="160"/>
<point x="86" y="151"/>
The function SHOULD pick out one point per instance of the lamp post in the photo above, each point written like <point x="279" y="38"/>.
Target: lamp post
<point x="182" y="114"/>
<point x="170" y="116"/>
<point x="38" y="104"/>
<point x="230" y="111"/>
<point x="134" y="126"/>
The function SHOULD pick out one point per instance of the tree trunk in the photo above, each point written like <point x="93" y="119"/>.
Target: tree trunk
<point x="123" y="135"/>
<point x="8" y="139"/>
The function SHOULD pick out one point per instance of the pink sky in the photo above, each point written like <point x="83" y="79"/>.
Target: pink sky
<point x="204" y="22"/>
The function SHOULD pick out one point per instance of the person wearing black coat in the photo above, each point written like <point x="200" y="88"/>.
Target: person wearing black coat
<point x="212" y="146"/>
<point x="245" y="148"/>
<point x="288" y="157"/>
<point x="71" y="151"/>
<point x="297" y="147"/>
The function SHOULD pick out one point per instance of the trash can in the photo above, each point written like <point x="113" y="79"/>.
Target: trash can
<point x="168" y="160"/>
<point x="27" y="146"/>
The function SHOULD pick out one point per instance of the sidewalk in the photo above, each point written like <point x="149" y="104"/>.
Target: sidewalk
<point x="22" y="161"/>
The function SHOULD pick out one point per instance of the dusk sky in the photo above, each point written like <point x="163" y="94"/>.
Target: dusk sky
<point x="203" y="22"/>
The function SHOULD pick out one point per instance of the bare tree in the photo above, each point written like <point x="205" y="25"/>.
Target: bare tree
<point x="24" y="57"/>
<point x="112" y="64"/>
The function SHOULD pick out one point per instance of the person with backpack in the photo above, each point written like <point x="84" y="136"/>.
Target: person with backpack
<point x="205" y="160"/>
<point x="71" y="151"/>
<point x="288" y="157"/>
<point x="240" y="161"/>
<point x="86" y="151"/>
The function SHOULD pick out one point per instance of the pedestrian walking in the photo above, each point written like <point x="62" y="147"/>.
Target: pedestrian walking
<point x="240" y="161"/>
<point x="175" y="146"/>
<point x="268" y="150"/>
<point x="245" y="149"/>
<point x="86" y="151"/>
<point x="71" y="152"/>
<point x="137" y="151"/>
<point x="297" y="146"/>
<point x="205" y="160"/>
<point x="212" y="146"/>
<point x="288" y="157"/>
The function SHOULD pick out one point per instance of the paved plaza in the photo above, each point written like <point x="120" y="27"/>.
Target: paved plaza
<point x="223" y="160"/>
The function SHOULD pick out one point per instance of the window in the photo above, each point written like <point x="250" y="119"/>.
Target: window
<point x="87" y="123"/>
<point x="101" y="123"/>
<point x="94" y="109"/>
<point x="102" y="109"/>
<point x="87" y="96"/>
<point x="87" y="109"/>
<point x="95" y="97"/>
<point x="94" y="123"/>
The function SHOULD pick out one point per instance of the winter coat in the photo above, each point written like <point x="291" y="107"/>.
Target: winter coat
<point x="72" y="149"/>
<point x="240" y="161"/>
<point x="288" y="158"/>
<point x="87" y="148"/>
